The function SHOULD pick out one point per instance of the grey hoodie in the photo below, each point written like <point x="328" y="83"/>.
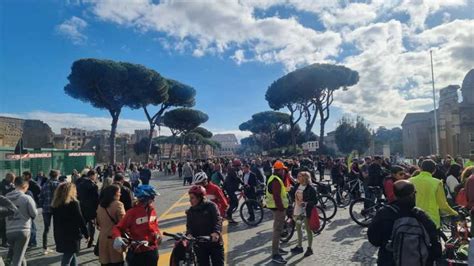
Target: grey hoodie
<point x="21" y="220"/>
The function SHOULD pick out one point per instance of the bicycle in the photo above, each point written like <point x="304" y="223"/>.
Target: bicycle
<point x="183" y="251"/>
<point x="255" y="207"/>
<point x="456" y="246"/>
<point x="290" y="224"/>
<point x="325" y="200"/>
<point x="363" y="210"/>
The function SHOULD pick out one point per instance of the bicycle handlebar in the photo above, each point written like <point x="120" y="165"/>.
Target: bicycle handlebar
<point x="181" y="236"/>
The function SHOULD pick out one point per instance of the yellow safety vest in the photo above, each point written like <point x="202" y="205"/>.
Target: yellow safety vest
<point x="269" y="197"/>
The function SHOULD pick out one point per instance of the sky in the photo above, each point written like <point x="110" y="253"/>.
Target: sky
<point x="231" y="51"/>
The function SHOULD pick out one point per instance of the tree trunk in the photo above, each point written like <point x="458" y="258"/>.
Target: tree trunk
<point x="171" y="150"/>
<point x="115" y="117"/>
<point x="321" y="136"/>
<point x="150" y="141"/>
<point x="293" y="136"/>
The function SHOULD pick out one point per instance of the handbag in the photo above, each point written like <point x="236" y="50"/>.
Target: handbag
<point x="96" y="247"/>
<point x="314" y="222"/>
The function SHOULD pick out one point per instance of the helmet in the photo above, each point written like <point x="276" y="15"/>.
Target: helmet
<point x="236" y="163"/>
<point x="199" y="178"/>
<point x="197" y="190"/>
<point x="279" y="165"/>
<point x="145" y="192"/>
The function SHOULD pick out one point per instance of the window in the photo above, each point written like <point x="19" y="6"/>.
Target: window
<point x="472" y="152"/>
<point x="471" y="137"/>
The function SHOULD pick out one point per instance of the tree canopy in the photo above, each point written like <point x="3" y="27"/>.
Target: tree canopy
<point x="184" y="119"/>
<point x="111" y="85"/>
<point x="352" y="135"/>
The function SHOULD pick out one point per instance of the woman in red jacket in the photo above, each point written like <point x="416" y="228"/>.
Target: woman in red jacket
<point x="214" y="193"/>
<point x="141" y="224"/>
<point x="397" y="173"/>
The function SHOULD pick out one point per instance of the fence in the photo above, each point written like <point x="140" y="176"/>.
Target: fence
<point x="43" y="160"/>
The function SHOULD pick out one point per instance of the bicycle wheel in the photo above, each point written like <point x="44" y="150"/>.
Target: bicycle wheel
<point x="362" y="211"/>
<point x="328" y="204"/>
<point x="288" y="230"/>
<point x="322" y="220"/>
<point x="345" y="198"/>
<point x="251" y="212"/>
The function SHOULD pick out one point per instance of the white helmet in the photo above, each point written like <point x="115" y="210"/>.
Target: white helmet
<point x="199" y="178"/>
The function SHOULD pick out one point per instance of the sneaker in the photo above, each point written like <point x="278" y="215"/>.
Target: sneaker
<point x="47" y="251"/>
<point x="308" y="252"/>
<point x="282" y="251"/>
<point x="278" y="259"/>
<point x="296" y="250"/>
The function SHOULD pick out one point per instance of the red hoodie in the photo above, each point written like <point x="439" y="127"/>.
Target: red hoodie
<point x="388" y="189"/>
<point x="139" y="225"/>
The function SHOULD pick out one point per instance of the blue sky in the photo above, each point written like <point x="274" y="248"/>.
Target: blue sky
<point x="230" y="52"/>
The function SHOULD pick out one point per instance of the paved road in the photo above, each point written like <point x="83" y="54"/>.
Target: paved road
<point x="341" y="243"/>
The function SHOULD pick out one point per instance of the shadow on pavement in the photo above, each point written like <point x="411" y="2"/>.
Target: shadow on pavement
<point x="251" y="248"/>
<point x="365" y="254"/>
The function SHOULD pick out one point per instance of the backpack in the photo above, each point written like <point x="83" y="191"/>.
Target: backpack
<point x="410" y="242"/>
<point x="7" y="208"/>
<point x="461" y="198"/>
<point x="314" y="222"/>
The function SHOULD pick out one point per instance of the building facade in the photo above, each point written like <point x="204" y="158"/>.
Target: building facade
<point x="455" y="124"/>
<point x="35" y="133"/>
<point x="229" y="145"/>
<point x="142" y="134"/>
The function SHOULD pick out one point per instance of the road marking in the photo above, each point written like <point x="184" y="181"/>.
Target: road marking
<point x="170" y="216"/>
<point x="172" y="206"/>
<point x="176" y="229"/>
<point x="181" y="204"/>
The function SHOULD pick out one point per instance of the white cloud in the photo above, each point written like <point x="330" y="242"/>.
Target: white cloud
<point x="73" y="30"/>
<point x="217" y="27"/>
<point x="391" y="52"/>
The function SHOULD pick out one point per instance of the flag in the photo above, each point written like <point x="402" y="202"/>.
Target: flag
<point x="19" y="149"/>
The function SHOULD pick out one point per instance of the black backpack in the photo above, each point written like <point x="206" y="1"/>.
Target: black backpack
<point x="410" y="242"/>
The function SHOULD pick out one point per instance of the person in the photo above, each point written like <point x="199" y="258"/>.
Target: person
<point x="231" y="185"/>
<point x="40" y="178"/>
<point x="214" y="193"/>
<point x="305" y="198"/>
<point x="257" y="169"/>
<point x="188" y="173"/>
<point x="469" y="162"/>
<point x="6" y="186"/>
<point x="250" y="188"/>
<point x="145" y="176"/>
<point x="18" y="225"/>
<point x="217" y="178"/>
<point x="107" y="182"/>
<point x="109" y="212"/>
<point x="320" y="168"/>
<point x="375" y="173"/>
<point x="141" y="223"/>
<point x="430" y="195"/>
<point x="380" y="230"/>
<point x="34" y="191"/>
<point x="46" y="197"/>
<point x="88" y="195"/>
<point x="180" y="169"/>
<point x="134" y="177"/>
<point x="337" y="177"/>
<point x="69" y="224"/>
<point x="277" y="201"/>
<point x="126" y="196"/>
<point x="468" y="175"/>
<point x="397" y="173"/>
<point x="203" y="219"/>
<point x="452" y="182"/>
<point x="74" y="176"/>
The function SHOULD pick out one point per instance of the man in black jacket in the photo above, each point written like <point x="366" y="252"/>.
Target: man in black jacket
<point x="380" y="230"/>
<point x="88" y="196"/>
<point x="125" y="194"/>
<point x="250" y="188"/>
<point x="231" y="185"/>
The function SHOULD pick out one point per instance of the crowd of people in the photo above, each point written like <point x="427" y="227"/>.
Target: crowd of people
<point x="122" y="208"/>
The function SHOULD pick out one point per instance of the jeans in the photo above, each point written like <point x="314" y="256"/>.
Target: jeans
<point x="300" y="221"/>
<point x="18" y="243"/>
<point x="234" y="202"/>
<point x="69" y="259"/>
<point x="250" y="194"/>
<point x="33" y="234"/>
<point x="278" y="223"/>
<point x="91" y="229"/>
<point x="214" y="251"/>
<point x="47" y="225"/>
